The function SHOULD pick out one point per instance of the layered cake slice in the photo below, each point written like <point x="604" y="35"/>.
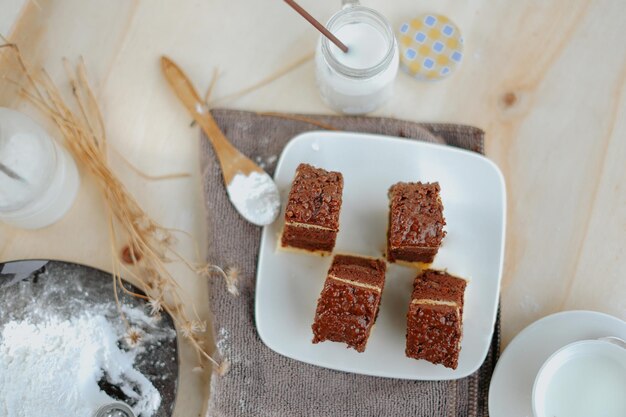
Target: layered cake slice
<point x="312" y="211"/>
<point x="349" y="302"/>
<point x="435" y="318"/>
<point x="415" y="223"/>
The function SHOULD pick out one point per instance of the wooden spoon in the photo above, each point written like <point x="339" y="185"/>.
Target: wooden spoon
<point x="251" y="190"/>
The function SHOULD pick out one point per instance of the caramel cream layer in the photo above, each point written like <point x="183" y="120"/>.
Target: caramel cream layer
<point x="356" y="284"/>
<point x="434" y="302"/>
<point x="310" y="226"/>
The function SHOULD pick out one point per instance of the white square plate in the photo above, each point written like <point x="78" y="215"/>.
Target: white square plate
<point x="288" y="284"/>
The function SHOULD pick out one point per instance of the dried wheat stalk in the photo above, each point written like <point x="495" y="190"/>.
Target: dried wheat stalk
<point x="151" y="246"/>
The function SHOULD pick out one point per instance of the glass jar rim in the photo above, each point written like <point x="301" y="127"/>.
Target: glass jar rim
<point x="359" y="73"/>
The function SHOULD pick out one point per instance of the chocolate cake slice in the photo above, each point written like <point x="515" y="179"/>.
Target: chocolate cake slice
<point x="435" y="318"/>
<point x="415" y="223"/>
<point x="349" y="302"/>
<point x="312" y="211"/>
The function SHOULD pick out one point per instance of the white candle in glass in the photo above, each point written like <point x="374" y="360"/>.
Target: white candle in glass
<point x="38" y="178"/>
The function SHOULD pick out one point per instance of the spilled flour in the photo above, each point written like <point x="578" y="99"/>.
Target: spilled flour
<point x="64" y="349"/>
<point x="53" y="367"/>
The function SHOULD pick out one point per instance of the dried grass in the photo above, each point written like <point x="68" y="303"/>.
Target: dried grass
<point x="150" y="246"/>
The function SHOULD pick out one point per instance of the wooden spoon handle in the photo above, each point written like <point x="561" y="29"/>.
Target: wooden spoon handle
<point x="231" y="160"/>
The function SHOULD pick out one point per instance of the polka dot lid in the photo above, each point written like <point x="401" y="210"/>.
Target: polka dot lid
<point x="431" y="47"/>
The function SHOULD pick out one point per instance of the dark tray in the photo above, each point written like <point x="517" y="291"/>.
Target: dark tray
<point x="65" y="289"/>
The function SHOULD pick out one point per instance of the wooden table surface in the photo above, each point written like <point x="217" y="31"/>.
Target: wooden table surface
<point x="545" y="80"/>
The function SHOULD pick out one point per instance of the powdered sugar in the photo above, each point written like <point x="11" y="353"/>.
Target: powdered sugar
<point x="255" y="196"/>
<point x="62" y="361"/>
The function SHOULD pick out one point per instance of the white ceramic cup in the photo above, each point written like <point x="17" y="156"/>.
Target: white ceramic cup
<point x="585" y="378"/>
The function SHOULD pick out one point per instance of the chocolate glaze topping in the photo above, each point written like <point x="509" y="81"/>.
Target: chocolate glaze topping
<point x="346" y="312"/>
<point x="434" y="330"/>
<point x="416" y="215"/>
<point x="434" y="334"/>
<point x="315" y="197"/>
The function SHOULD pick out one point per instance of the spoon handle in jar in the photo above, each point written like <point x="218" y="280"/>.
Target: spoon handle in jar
<point x="10" y="173"/>
<point x="307" y="16"/>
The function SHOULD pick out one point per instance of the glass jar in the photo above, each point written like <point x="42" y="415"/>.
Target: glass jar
<point x="360" y="80"/>
<point x="38" y="178"/>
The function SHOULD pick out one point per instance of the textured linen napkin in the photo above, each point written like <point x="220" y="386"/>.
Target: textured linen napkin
<point x="263" y="383"/>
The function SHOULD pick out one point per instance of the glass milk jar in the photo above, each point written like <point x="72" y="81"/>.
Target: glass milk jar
<point x="360" y="80"/>
<point x="38" y="178"/>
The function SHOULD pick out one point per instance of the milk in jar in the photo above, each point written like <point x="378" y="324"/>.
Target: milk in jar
<point x="360" y="80"/>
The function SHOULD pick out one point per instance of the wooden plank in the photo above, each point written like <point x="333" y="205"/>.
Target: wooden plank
<point x="544" y="79"/>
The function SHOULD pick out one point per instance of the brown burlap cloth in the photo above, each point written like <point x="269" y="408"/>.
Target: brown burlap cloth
<point x="263" y="383"/>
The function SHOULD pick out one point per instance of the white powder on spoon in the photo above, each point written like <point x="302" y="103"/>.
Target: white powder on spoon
<point x="52" y="368"/>
<point x="255" y="196"/>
